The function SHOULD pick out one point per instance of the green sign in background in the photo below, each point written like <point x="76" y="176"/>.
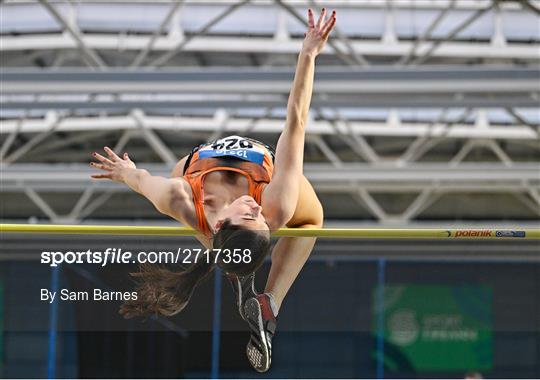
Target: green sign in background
<point x="437" y="328"/>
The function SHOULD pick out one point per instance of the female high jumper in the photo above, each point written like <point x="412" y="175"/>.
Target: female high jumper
<point x="234" y="192"/>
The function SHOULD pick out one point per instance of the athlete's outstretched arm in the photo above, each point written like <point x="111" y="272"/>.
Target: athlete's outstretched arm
<point x="280" y="196"/>
<point x="168" y="195"/>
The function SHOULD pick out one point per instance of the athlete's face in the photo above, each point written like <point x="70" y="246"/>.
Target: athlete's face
<point x="244" y="211"/>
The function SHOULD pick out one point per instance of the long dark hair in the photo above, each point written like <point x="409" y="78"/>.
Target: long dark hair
<point x="166" y="292"/>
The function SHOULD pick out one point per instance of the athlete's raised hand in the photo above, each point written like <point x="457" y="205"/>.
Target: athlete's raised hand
<point x="113" y="167"/>
<point x="317" y="34"/>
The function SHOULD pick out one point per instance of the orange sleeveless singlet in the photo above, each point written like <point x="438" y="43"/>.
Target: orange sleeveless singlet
<point x="253" y="159"/>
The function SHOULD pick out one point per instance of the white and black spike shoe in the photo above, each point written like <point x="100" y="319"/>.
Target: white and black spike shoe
<point x="262" y="323"/>
<point x="244" y="289"/>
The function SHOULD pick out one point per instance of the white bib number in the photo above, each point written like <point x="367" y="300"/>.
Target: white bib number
<point x="232" y="142"/>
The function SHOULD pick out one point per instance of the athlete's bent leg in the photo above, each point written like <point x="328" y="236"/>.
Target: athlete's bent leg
<point x="291" y="253"/>
<point x="288" y="257"/>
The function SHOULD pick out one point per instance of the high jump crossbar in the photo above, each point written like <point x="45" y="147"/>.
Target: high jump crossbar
<point x="366" y="233"/>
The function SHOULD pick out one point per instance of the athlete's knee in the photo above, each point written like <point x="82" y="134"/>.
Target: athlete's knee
<point x="318" y="215"/>
<point x="315" y="221"/>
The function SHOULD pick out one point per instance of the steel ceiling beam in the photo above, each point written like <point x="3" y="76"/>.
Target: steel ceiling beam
<point x="434" y="80"/>
<point x="454" y="130"/>
<point x="358" y="101"/>
<point x="424" y="56"/>
<point x="76" y="35"/>
<point x="349" y="59"/>
<point x="358" y="58"/>
<point x="426" y="35"/>
<point x="161" y="60"/>
<point x="266" y="45"/>
<point x="142" y="55"/>
<point x="530" y="6"/>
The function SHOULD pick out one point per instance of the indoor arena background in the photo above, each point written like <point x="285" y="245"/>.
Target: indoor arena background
<point x="425" y="114"/>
